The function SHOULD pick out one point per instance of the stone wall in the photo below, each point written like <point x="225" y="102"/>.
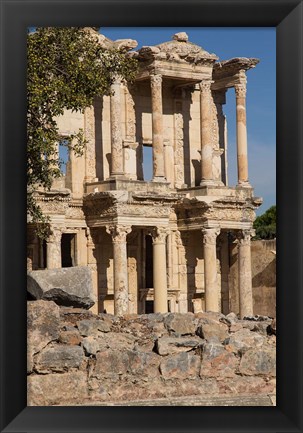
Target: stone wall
<point x="76" y="357"/>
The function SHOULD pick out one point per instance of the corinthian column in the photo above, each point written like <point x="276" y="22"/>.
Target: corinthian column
<point x="242" y="160"/>
<point x="119" y="234"/>
<point x="159" y="269"/>
<point x="206" y="145"/>
<point x="245" y="277"/>
<point x="212" y="295"/>
<point x="116" y="134"/>
<point x="53" y="249"/>
<point x="157" y="128"/>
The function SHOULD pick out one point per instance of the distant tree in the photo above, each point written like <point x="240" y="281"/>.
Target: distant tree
<point x="265" y="224"/>
<point x="66" y="69"/>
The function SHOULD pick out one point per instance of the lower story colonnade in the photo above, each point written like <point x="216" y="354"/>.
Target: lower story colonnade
<point x="159" y="269"/>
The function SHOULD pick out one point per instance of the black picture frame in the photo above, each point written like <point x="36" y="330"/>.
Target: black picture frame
<point x="287" y="17"/>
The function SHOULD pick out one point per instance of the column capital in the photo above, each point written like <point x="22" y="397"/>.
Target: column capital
<point x="244" y="236"/>
<point x="240" y="90"/>
<point x="210" y="235"/>
<point x="155" y="79"/>
<point x="118" y="232"/>
<point x="54" y="235"/>
<point x="159" y="234"/>
<point x="205" y="86"/>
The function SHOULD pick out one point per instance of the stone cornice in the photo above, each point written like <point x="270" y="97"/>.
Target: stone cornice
<point x="231" y="67"/>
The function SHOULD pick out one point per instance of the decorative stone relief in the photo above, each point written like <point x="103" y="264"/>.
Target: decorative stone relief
<point x="179" y="150"/>
<point x="90" y="154"/>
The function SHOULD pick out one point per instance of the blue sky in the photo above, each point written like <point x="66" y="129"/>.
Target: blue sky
<point x="261" y="92"/>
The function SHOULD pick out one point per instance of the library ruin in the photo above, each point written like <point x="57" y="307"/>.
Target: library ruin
<point x="165" y="244"/>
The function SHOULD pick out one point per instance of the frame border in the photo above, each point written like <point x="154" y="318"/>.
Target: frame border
<point x="16" y="16"/>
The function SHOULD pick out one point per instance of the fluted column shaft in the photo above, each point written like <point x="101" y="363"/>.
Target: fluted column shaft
<point x="53" y="250"/>
<point x="206" y="145"/>
<point x="116" y="133"/>
<point x="245" y="276"/>
<point x="159" y="269"/>
<point x="212" y="296"/>
<point x="119" y="234"/>
<point x="157" y="127"/>
<point x="242" y="158"/>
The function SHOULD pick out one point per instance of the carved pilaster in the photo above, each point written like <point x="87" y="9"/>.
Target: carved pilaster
<point x="90" y="153"/>
<point x="116" y="133"/>
<point x="206" y="142"/>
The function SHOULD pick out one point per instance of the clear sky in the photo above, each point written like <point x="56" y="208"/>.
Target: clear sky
<point x="259" y="42"/>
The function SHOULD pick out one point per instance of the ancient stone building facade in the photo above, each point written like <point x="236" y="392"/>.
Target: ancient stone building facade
<point x="164" y="244"/>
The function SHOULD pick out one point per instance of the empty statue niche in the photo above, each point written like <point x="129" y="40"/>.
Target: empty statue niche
<point x="68" y="250"/>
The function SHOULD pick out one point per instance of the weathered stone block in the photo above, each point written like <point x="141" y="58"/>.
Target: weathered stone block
<point x="222" y="365"/>
<point x="71" y="337"/>
<point x="259" y="362"/>
<point x="65" y="286"/>
<point x="43" y="326"/>
<point x="59" y="358"/>
<point x="213" y="330"/>
<point x="180" y="324"/>
<point x="243" y="340"/>
<point x="169" y="345"/>
<point x="144" y="364"/>
<point x="180" y="366"/>
<point x="110" y="364"/>
<point x="57" y="389"/>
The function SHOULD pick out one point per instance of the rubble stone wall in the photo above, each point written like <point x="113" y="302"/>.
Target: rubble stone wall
<point x="76" y="357"/>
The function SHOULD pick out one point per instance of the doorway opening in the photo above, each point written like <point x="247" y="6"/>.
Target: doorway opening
<point x="68" y="250"/>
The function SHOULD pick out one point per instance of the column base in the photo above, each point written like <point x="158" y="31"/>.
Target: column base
<point x="244" y="184"/>
<point x="211" y="182"/>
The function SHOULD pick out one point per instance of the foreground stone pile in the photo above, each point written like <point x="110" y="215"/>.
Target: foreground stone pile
<point x="75" y="357"/>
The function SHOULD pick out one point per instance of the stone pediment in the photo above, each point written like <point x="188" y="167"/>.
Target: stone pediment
<point x="178" y="49"/>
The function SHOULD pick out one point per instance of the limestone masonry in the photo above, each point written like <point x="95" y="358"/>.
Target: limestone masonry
<point x="78" y="358"/>
<point x="168" y="244"/>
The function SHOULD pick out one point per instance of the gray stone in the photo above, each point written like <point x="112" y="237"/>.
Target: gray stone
<point x="180" y="324"/>
<point x="223" y="365"/>
<point x="181" y="37"/>
<point x="211" y="330"/>
<point x="65" y="286"/>
<point x="59" y="358"/>
<point x="111" y="364"/>
<point x="212" y="349"/>
<point x="169" y="345"/>
<point x="180" y="366"/>
<point x="259" y="362"/>
<point x="243" y="340"/>
<point x="143" y="364"/>
<point x="43" y="326"/>
<point x="70" y="336"/>
<point x="91" y="345"/>
<point x="89" y="327"/>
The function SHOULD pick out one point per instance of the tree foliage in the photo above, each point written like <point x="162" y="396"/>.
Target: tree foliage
<point x="265" y="224"/>
<point x="66" y="69"/>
